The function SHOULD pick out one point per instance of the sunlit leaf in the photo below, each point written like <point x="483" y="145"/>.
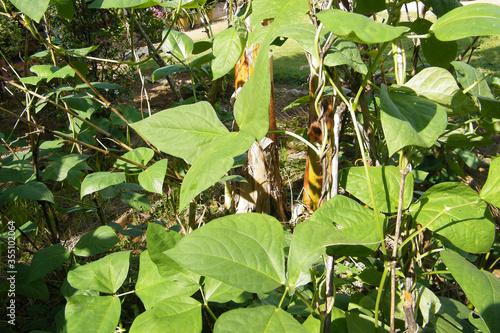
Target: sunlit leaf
<point x="491" y="189"/>
<point x="98" y="314"/>
<point x="100" y="180"/>
<point x="97" y="241"/>
<point x="59" y="169"/>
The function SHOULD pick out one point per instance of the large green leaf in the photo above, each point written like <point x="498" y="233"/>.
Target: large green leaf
<point x="385" y="182"/>
<point x="455" y="211"/>
<point x="251" y="108"/>
<point x="213" y="164"/>
<point x="243" y="250"/>
<point x="480" y="19"/>
<point x="152" y="288"/>
<point x="50" y="72"/>
<point x="98" y="314"/>
<point x="32" y="9"/>
<point x="59" y="169"/>
<point x="481" y="287"/>
<point x="409" y="120"/>
<point x="178" y="44"/>
<point x="468" y="75"/>
<point x="97" y="241"/>
<point x="438" y="85"/>
<point x="124" y="3"/>
<point x="153" y="177"/>
<point x="354" y="220"/>
<point x="228" y="47"/>
<point x="105" y="275"/>
<point x="308" y="241"/>
<point x="344" y="52"/>
<point x="436" y="52"/>
<point x="491" y="189"/>
<point x="65" y="8"/>
<point x="369" y="7"/>
<point x="262" y="319"/>
<point x="184" y="131"/>
<point x="18" y="172"/>
<point x="176" y="314"/>
<point x="159" y="241"/>
<point x="100" y="180"/>
<point x="29" y="191"/>
<point x="283" y="12"/>
<point x="47" y="260"/>
<point x="141" y="155"/>
<point x="358" y="28"/>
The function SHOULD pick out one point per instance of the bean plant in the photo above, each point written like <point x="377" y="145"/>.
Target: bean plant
<point x="381" y="251"/>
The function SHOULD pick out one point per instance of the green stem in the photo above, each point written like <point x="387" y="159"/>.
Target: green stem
<point x="309" y="144"/>
<point x="305" y="301"/>
<point x="283" y="297"/>
<point x="380" y="290"/>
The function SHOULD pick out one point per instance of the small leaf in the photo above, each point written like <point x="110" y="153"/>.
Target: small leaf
<point x="47" y="260"/>
<point x="153" y="177"/>
<point x="59" y="169"/>
<point x="141" y="155"/>
<point x="243" y="250"/>
<point x="228" y="47"/>
<point x="468" y="76"/>
<point x="480" y="19"/>
<point x="184" y="131"/>
<point x="124" y="3"/>
<point x="358" y="28"/>
<point x="179" y="314"/>
<point x="219" y="292"/>
<point x="65" y="8"/>
<point x="100" y="180"/>
<point x="98" y="314"/>
<point x="33" y="9"/>
<point x="385" y="182"/>
<point x="436" y="52"/>
<point x="410" y="120"/>
<point x="29" y="191"/>
<point x="213" y="164"/>
<point x="105" y="275"/>
<point x="441" y="7"/>
<point x="178" y="43"/>
<point x="491" y="189"/>
<point x="50" y="72"/>
<point x="265" y="318"/>
<point x="455" y="211"/>
<point x="152" y="288"/>
<point x="160" y="73"/>
<point x="95" y="242"/>
<point x="481" y="287"/>
<point x="344" y="52"/>
<point x="136" y="200"/>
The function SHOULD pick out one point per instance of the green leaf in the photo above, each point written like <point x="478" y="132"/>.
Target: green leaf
<point x="358" y="28"/>
<point x="100" y="180"/>
<point x="213" y="164"/>
<point x="178" y="44"/>
<point x="152" y="178"/>
<point x="99" y="85"/>
<point x="228" y="47"/>
<point x="50" y="72"/>
<point x="179" y="314"/>
<point x="105" y="275"/>
<point x="65" y="8"/>
<point x="136" y="201"/>
<point x="436" y="52"/>
<point x="168" y="70"/>
<point x="491" y="189"/>
<point x="152" y="288"/>
<point x="265" y="318"/>
<point x="468" y="75"/>
<point x="251" y="109"/>
<point x="283" y="12"/>
<point x="184" y="131"/>
<point x="219" y="292"/>
<point x="344" y="52"/>
<point x="18" y="172"/>
<point x="141" y="155"/>
<point x="441" y="7"/>
<point x="243" y="250"/>
<point x="97" y="241"/>
<point x="59" y="169"/>
<point x="160" y="241"/>
<point x="33" y="80"/>
<point x="481" y="287"/>
<point x="33" y="9"/>
<point x="354" y="220"/>
<point x="369" y="7"/>
<point x="438" y="85"/>
<point x="360" y="323"/>
<point x="455" y="211"/>
<point x="47" y="260"/>
<point x="385" y="182"/>
<point x="410" y="120"/>
<point x="84" y="51"/>
<point x="480" y="19"/>
<point x="124" y="3"/>
<point x="201" y="46"/>
<point x="29" y="191"/>
<point x="308" y="241"/>
<point x="98" y="314"/>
